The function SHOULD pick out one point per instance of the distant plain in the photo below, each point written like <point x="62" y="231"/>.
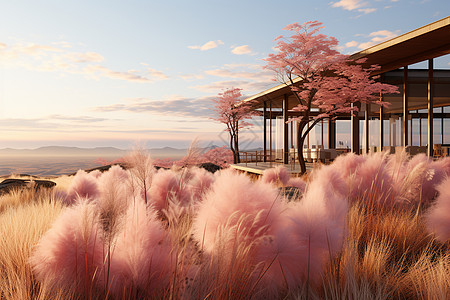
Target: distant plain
<point x="57" y="161"/>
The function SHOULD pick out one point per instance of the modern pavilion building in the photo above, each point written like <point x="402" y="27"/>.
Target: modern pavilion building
<point x="424" y="96"/>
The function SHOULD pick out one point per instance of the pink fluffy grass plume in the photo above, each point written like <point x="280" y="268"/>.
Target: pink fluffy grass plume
<point x="70" y="254"/>
<point x="297" y="182"/>
<point x="84" y="185"/>
<point x="200" y="182"/>
<point x="348" y="163"/>
<point x="372" y="181"/>
<point x="114" y="189"/>
<point x="278" y="175"/>
<point x="312" y="232"/>
<point x="438" y="217"/>
<point x="167" y="185"/>
<point x="141" y="264"/>
<point x="236" y="210"/>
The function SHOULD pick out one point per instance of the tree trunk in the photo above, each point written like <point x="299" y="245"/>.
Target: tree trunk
<point x="236" y="147"/>
<point x="232" y="148"/>
<point x="300" y="142"/>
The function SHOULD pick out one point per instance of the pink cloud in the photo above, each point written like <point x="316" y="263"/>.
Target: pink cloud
<point x="240" y="50"/>
<point x="207" y="46"/>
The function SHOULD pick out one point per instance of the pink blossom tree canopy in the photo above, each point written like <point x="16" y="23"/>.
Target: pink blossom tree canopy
<point x="233" y="114"/>
<point x="321" y="78"/>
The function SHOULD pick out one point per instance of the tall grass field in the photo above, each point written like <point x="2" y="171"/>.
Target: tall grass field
<point x="364" y="227"/>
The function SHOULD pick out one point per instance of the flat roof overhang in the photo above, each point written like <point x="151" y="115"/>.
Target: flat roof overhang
<point x="426" y="42"/>
<point x="429" y="41"/>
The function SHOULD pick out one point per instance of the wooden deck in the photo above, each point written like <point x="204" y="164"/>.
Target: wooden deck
<point x="259" y="167"/>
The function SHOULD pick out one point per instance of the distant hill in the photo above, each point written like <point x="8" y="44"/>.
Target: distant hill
<point x="98" y="152"/>
<point x="61" y="151"/>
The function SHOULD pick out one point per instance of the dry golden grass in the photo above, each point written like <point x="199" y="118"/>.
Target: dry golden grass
<point x="20" y="229"/>
<point x="388" y="255"/>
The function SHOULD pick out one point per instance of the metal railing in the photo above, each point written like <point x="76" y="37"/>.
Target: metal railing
<point x="292" y="154"/>
<point x="253" y="156"/>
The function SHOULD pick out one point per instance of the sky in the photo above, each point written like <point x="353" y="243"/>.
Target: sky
<point x="120" y="73"/>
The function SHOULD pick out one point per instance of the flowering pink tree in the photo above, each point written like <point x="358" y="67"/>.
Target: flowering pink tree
<point x="233" y="115"/>
<point x="320" y="77"/>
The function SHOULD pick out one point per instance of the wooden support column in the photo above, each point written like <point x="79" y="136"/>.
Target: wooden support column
<point x="355" y="129"/>
<point x="331" y="134"/>
<point x="442" y="125"/>
<point x="420" y="131"/>
<point x="265" y="132"/>
<point x="321" y="134"/>
<point x="285" y="130"/>
<point x="270" y="129"/>
<point x="381" y="127"/>
<point x="411" y="130"/>
<point x="430" y="107"/>
<point x="405" y="106"/>
<point x="366" y="127"/>
<point x="292" y="134"/>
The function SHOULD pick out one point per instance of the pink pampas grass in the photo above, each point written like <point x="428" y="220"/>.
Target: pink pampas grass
<point x="438" y="218"/>
<point x="70" y="254"/>
<point x="236" y="210"/>
<point x="167" y="184"/>
<point x="96" y="173"/>
<point x="313" y="231"/>
<point x="417" y="179"/>
<point x="278" y="175"/>
<point x="83" y="185"/>
<point x="114" y="198"/>
<point x="142" y="263"/>
<point x="348" y="163"/>
<point x="322" y="213"/>
<point x="298" y="183"/>
<point x="200" y="182"/>
<point x="372" y="180"/>
<point x="141" y="172"/>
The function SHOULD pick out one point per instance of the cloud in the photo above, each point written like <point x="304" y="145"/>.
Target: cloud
<point x="207" y="46"/>
<point x="247" y="86"/>
<point x="367" y="10"/>
<point x="51" y="123"/>
<point x="242" y="71"/>
<point x="46" y="58"/>
<point x="250" y="77"/>
<point x="382" y="35"/>
<point x="176" y="105"/>
<point x="349" y="4"/>
<point x="366" y="45"/>
<point x="157" y="74"/>
<point x="262" y="75"/>
<point x="97" y="70"/>
<point x="351" y="44"/>
<point x="77" y="119"/>
<point x="354" y="5"/>
<point x="240" y="50"/>
<point x="84" y="57"/>
<point x="378" y="37"/>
